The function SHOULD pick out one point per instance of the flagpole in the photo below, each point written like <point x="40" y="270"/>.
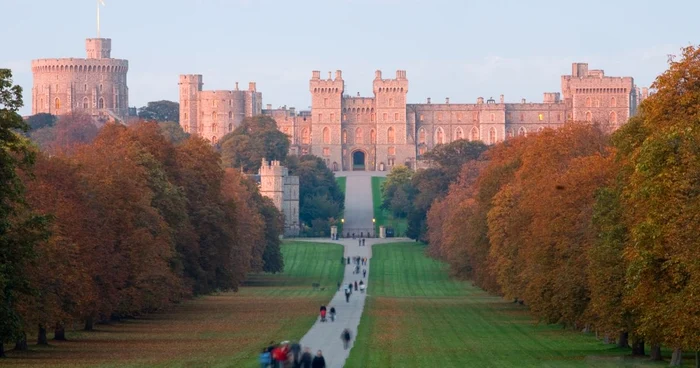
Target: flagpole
<point x="98" y="18"/>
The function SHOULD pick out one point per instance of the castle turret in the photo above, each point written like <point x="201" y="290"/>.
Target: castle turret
<point x="326" y="108"/>
<point x="190" y="86"/>
<point x="98" y="48"/>
<point x="391" y="122"/>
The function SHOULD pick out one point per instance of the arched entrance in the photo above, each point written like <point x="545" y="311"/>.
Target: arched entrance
<point x="358" y="161"/>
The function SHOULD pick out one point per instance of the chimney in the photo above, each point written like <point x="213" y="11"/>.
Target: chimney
<point x="338" y="75"/>
<point x="358" y="94"/>
<point x="479" y="100"/>
<point x="502" y="99"/>
<point x="316" y="74"/>
<point x="269" y="106"/>
<point x="447" y="100"/>
<point x="428" y="100"/>
<point x="329" y="75"/>
<point x="236" y="86"/>
<point x="251" y="86"/>
<point x="522" y="101"/>
<point x="378" y="74"/>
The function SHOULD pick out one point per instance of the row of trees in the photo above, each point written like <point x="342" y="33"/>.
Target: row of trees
<point x="321" y="201"/>
<point x="128" y="223"/>
<point x="591" y="230"/>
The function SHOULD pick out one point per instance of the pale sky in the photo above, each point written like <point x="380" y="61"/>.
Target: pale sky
<point x="449" y="48"/>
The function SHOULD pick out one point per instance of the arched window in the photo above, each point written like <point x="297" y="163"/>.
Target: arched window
<point x="522" y="132"/>
<point x="100" y="88"/>
<point x="493" y="117"/>
<point x="326" y="135"/>
<point x="588" y="102"/>
<point x="213" y="116"/>
<point x="230" y="127"/>
<point x="492" y="136"/>
<point x="305" y="136"/>
<point x="421" y="150"/>
<point x="391" y="151"/>
<point x="213" y="139"/>
<point x="474" y="135"/>
<point x="597" y="102"/>
<point x="41" y="103"/>
<point x="214" y="127"/>
<point x="185" y="116"/>
<point x="101" y="103"/>
<point x="458" y="134"/>
<point x="345" y="136"/>
<point x="86" y="103"/>
<point x="372" y="136"/>
<point x="613" y="102"/>
<point x="57" y="103"/>
<point x="613" y="117"/>
<point x="390" y="135"/>
<point x="439" y="136"/>
<point x="85" y="87"/>
<point x="358" y="136"/>
<point x="589" y="116"/>
<point x="511" y="133"/>
<point x="230" y="115"/>
<point x="421" y="136"/>
<point x="540" y="129"/>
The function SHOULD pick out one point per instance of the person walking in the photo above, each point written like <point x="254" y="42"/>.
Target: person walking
<point x="364" y="274"/>
<point x="359" y="241"/>
<point x="319" y="361"/>
<point x="355" y="285"/>
<point x="347" y="295"/>
<point x="345" y="336"/>
<point x="363" y="242"/>
<point x="306" y="359"/>
<point x="265" y="359"/>
<point x="332" y="314"/>
<point x="295" y="352"/>
<point x="362" y="286"/>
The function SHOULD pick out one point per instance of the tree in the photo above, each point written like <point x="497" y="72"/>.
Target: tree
<point x="256" y="138"/>
<point x="160" y="111"/>
<point x="173" y="132"/>
<point x="399" y="179"/>
<point x="41" y="120"/>
<point x="20" y="230"/>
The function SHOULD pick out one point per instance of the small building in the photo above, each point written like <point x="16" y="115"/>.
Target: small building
<point x="283" y="189"/>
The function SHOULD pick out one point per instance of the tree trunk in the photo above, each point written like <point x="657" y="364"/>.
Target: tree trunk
<point x="623" y="340"/>
<point x="88" y="324"/>
<point x="21" y="343"/>
<point x="59" y="332"/>
<point x="676" y="358"/>
<point x="655" y="352"/>
<point x="2" y="349"/>
<point x="638" y="347"/>
<point x="41" y="337"/>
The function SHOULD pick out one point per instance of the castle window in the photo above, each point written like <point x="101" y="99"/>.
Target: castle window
<point x="439" y="116"/>
<point x="613" y="117"/>
<point x="597" y="103"/>
<point x="213" y="103"/>
<point x="421" y="136"/>
<point x="421" y="150"/>
<point x="185" y="116"/>
<point x="522" y="132"/>
<point x="345" y="117"/>
<point x="320" y="117"/>
<point x="326" y="151"/>
<point x="391" y="151"/>
<point x="459" y="116"/>
<point x="230" y="103"/>
<point x="372" y="117"/>
<point x="559" y="117"/>
<point x="57" y="103"/>
<point x="492" y="136"/>
<point x="326" y="135"/>
<point x="230" y="127"/>
<point x="213" y="115"/>
<point x="85" y="87"/>
<point x="100" y="88"/>
<point x="56" y="89"/>
<point x="213" y="139"/>
<point x="372" y="136"/>
<point x="86" y="103"/>
<point x="439" y="136"/>
<point x="613" y="102"/>
<point x="511" y="133"/>
<point x="458" y="134"/>
<point x="568" y="116"/>
<point x="358" y="136"/>
<point x="214" y="127"/>
<point x="230" y="115"/>
<point x="305" y="136"/>
<point x="345" y="136"/>
<point x="493" y="117"/>
<point x="588" y="102"/>
<point x="522" y="117"/>
<point x="396" y="116"/>
<point x="421" y="117"/>
<point x="357" y="117"/>
<point x="474" y="135"/>
<point x="540" y="117"/>
<point x="384" y="117"/>
<point x="589" y="116"/>
<point x="390" y="135"/>
<point x="475" y="116"/>
<point x="332" y="118"/>
<point x="41" y="103"/>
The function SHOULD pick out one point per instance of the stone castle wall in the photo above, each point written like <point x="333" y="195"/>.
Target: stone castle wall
<point x="96" y="85"/>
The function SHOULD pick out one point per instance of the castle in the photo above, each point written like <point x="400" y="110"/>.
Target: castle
<point x="378" y="132"/>
<point x="283" y="189"/>
<point x="95" y="85"/>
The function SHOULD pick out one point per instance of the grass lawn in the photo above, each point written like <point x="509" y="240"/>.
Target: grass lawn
<point x="226" y="330"/>
<point x="384" y="217"/>
<point x="416" y="316"/>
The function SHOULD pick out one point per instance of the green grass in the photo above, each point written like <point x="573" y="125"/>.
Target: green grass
<point x="416" y="316"/>
<point x="225" y="330"/>
<point x="384" y="217"/>
<point x="342" y="184"/>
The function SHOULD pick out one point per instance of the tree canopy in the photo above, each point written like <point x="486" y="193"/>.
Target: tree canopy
<point x="256" y="138"/>
<point x="162" y="111"/>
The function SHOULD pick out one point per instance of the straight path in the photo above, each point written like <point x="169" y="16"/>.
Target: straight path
<point x="325" y="336"/>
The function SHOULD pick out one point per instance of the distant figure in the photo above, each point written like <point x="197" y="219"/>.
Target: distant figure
<point x="348" y="260"/>
<point x="364" y="274"/>
<point x="332" y="314"/>
<point x="362" y="234"/>
<point x="338" y="285"/>
<point x="347" y="295"/>
<point x="362" y="287"/>
<point x="345" y="336"/>
<point x="265" y="359"/>
<point x="306" y="359"/>
<point x="359" y="241"/>
<point x="353" y="235"/>
<point x="355" y="285"/>
<point x="318" y="361"/>
<point x="342" y="260"/>
<point x="295" y="351"/>
<point x="323" y="313"/>
<point x="363" y="241"/>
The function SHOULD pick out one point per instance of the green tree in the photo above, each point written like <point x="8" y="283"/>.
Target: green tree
<point x="399" y="179"/>
<point x="173" y="132"/>
<point x="160" y="111"/>
<point x="19" y="230"/>
<point x="256" y="138"/>
<point x="41" y="120"/>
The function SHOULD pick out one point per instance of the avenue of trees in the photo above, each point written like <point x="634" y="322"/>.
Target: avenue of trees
<point x="321" y="201"/>
<point x="110" y="223"/>
<point x="591" y="230"/>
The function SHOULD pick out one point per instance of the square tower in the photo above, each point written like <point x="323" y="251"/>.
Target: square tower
<point x="326" y="110"/>
<point x="190" y="86"/>
<point x="395" y="141"/>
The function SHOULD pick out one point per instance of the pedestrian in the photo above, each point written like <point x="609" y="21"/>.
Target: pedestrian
<point x="350" y="287"/>
<point x="323" y="313"/>
<point x="265" y="359"/>
<point x="295" y="352"/>
<point x="359" y="241"/>
<point x="279" y="355"/>
<point x="348" y="260"/>
<point x="318" y="361"/>
<point x="332" y="314"/>
<point x="345" y="336"/>
<point x="342" y="260"/>
<point x="363" y="242"/>
<point x="364" y="274"/>
<point x="306" y="358"/>
<point x="347" y="295"/>
<point x="362" y="287"/>
<point x="355" y="285"/>
<point x="338" y="285"/>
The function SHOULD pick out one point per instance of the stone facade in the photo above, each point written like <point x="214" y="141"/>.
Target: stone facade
<point x="95" y="85"/>
<point x="378" y="132"/>
<point x="213" y="114"/>
<point x="283" y="189"/>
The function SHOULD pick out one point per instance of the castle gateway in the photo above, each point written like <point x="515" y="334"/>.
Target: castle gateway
<point x="378" y="132"/>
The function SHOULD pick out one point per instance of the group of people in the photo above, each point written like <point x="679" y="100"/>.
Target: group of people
<point x="323" y="313"/>
<point x="361" y="242"/>
<point x="290" y="355"/>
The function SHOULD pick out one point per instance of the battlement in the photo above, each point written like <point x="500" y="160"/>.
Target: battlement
<point x="400" y="84"/>
<point x="98" y="48"/>
<point x="272" y="168"/>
